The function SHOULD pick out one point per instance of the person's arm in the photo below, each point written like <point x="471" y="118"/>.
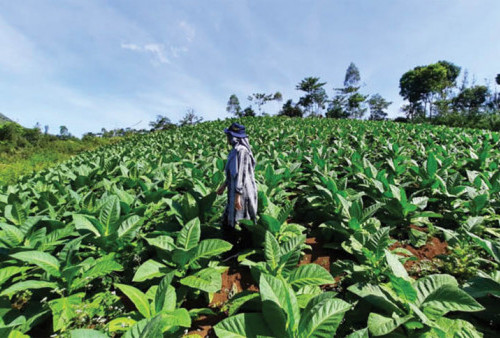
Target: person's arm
<point x="221" y="189"/>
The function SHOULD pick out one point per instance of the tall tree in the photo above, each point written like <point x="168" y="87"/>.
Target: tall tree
<point x="291" y="110"/>
<point x="233" y="106"/>
<point x="190" y="118"/>
<point x="315" y="97"/>
<point x="378" y="107"/>
<point x="161" y="123"/>
<point x="336" y="107"/>
<point x="261" y="99"/>
<point x="425" y="84"/>
<point x="64" y="132"/>
<point x="470" y="100"/>
<point x="497" y="79"/>
<point x="352" y="77"/>
<point x="353" y="102"/>
<point x="248" y="111"/>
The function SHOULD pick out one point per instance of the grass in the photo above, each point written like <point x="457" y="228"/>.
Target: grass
<point x="15" y="163"/>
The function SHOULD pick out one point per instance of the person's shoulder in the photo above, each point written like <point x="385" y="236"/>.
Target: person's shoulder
<point x="241" y="149"/>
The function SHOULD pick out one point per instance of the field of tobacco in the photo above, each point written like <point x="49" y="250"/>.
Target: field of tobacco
<point x="364" y="229"/>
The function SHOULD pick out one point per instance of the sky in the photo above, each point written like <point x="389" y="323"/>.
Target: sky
<point x="89" y="64"/>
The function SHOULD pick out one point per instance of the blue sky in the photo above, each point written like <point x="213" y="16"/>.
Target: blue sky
<point x="89" y="64"/>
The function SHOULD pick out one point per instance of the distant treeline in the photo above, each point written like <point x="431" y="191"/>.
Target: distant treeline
<point x="434" y="93"/>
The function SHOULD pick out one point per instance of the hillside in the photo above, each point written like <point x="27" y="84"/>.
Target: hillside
<point x="4" y="119"/>
<point x="366" y="227"/>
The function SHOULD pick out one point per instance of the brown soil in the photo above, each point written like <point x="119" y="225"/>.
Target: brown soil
<point x="430" y="250"/>
<point x="321" y="256"/>
<point x="234" y="280"/>
<point x="203" y="326"/>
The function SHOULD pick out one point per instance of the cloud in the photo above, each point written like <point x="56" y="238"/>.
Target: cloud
<point x="188" y="29"/>
<point x="156" y="50"/>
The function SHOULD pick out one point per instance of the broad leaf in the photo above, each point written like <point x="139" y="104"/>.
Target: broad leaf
<point x="244" y="325"/>
<point x="137" y="297"/>
<point x="310" y="274"/>
<point x="189" y="236"/>
<point x="208" y="280"/>
<point x="42" y="259"/>
<point x="148" y="270"/>
<point x="323" y="319"/>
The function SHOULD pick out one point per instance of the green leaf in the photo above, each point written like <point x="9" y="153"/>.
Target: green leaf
<point x="16" y="213"/>
<point x="17" y="334"/>
<point x="211" y="247"/>
<point x="395" y="265"/>
<point x="162" y="242"/>
<point x="165" y="297"/>
<point x="189" y="236"/>
<point x="10" y="271"/>
<point x="177" y="317"/>
<point x="403" y="288"/>
<point x="64" y="310"/>
<point x="148" y="270"/>
<point x="84" y="222"/>
<point x="310" y="274"/>
<point x="457" y="328"/>
<point x="449" y="298"/>
<point x="109" y="215"/>
<point x="149" y="327"/>
<point x="137" y="297"/>
<point x="272" y="224"/>
<point x="375" y="295"/>
<point x="102" y="267"/>
<point x="431" y="165"/>
<point x="42" y="259"/>
<point x="363" y="333"/>
<point x="244" y="325"/>
<point x="11" y="234"/>
<point x="323" y="319"/>
<point x="490" y="247"/>
<point x="381" y="325"/>
<point x="427" y="285"/>
<point x="278" y="299"/>
<point x="27" y="285"/>
<point x="208" y="280"/>
<point x="87" y="333"/>
<point x="271" y="250"/>
<point x="120" y="324"/>
<point x="128" y="228"/>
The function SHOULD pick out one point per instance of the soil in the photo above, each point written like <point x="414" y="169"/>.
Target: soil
<point x="234" y="280"/>
<point x="429" y="251"/>
<point x="321" y="256"/>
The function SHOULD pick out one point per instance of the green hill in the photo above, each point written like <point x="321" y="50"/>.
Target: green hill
<point x="4" y="119"/>
<point x="375" y="227"/>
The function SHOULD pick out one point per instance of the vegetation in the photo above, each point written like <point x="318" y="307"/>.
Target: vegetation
<point x="23" y="150"/>
<point x="126" y="240"/>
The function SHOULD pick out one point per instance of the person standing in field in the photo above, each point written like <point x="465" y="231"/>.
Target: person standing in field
<point x="240" y="181"/>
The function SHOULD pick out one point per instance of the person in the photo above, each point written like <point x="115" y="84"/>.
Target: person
<point x="240" y="182"/>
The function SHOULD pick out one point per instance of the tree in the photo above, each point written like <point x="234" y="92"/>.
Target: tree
<point x="425" y="84"/>
<point x="291" y="110"/>
<point x="190" y="118"/>
<point x="336" y="108"/>
<point x="352" y="77"/>
<point x="161" y="123"/>
<point x="315" y="96"/>
<point x="378" y="106"/>
<point x="261" y="98"/>
<point x="63" y="132"/>
<point x="233" y="106"/>
<point x="470" y="100"/>
<point x="248" y="111"/>
<point x="46" y="129"/>
<point x="348" y="102"/>
<point x="497" y="79"/>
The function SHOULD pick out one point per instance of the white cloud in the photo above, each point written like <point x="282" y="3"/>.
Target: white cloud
<point x="131" y="46"/>
<point x="155" y="49"/>
<point x="188" y="29"/>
